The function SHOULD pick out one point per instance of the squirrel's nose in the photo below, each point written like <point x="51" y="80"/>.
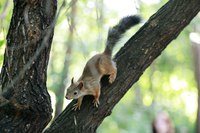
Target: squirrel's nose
<point x="67" y="97"/>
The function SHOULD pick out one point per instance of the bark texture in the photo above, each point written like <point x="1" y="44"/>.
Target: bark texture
<point x="136" y="55"/>
<point x="25" y="104"/>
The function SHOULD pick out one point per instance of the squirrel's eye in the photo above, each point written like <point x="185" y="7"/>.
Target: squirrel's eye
<point x="75" y="93"/>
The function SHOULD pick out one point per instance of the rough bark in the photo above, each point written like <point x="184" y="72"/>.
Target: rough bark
<point x="133" y="58"/>
<point x="25" y="104"/>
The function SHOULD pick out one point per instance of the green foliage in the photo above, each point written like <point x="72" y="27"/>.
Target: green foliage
<point x="5" y="16"/>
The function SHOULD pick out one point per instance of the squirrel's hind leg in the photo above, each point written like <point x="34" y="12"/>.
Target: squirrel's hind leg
<point x="108" y="67"/>
<point x="96" y="95"/>
<point x="112" y="72"/>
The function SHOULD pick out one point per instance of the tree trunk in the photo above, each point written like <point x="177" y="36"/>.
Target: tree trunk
<point x="25" y="104"/>
<point x="136" y="55"/>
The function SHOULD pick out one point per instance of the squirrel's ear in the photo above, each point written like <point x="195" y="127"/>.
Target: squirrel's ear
<point x="72" y="81"/>
<point x="80" y="85"/>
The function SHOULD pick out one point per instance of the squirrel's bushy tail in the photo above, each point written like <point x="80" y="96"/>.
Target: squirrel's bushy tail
<point x="116" y="32"/>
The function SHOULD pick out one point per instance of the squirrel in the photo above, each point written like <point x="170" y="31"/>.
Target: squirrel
<point x="100" y="65"/>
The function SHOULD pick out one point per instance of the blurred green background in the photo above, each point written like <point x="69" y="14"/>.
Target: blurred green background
<point x="168" y="85"/>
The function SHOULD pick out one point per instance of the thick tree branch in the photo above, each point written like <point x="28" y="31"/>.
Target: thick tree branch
<point x="136" y="55"/>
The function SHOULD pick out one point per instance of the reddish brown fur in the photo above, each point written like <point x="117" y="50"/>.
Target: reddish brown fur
<point x="95" y="68"/>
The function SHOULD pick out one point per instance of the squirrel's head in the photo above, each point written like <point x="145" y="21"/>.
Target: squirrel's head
<point x="74" y="91"/>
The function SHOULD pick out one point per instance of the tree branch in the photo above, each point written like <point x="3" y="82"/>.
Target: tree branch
<point x="136" y="55"/>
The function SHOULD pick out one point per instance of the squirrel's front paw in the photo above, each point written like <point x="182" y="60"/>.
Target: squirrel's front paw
<point x="76" y="106"/>
<point x="96" y="102"/>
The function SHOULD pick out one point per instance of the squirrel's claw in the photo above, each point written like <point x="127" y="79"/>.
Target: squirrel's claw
<point x="76" y="106"/>
<point x="96" y="103"/>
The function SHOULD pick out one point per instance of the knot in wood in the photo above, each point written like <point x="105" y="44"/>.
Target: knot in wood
<point x="34" y="33"/>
